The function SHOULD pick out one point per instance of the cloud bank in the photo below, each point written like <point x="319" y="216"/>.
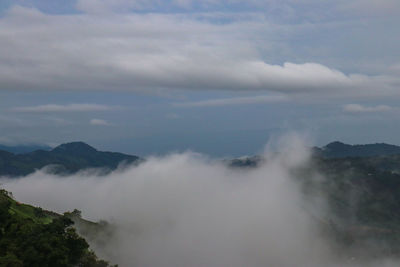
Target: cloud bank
<point x="185" y="210"/>
<point x="151" y="52"/>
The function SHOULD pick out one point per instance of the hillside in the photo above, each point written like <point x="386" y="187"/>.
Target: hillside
<point x="361" y="195"/>
<point x="64" y="159"/>
<point x="340" y="150"/>
<point x="30" y="236"/>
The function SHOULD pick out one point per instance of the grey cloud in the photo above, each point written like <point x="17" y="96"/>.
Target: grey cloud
<point x="63" y="108"/>
<point x="364" y="7"/>
<point x="357" y="108"/>
<point x="235" y="101"/>
<point x="99" y="122"/>
<point x="155" y="52"/>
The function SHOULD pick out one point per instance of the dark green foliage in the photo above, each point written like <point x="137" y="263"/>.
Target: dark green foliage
<point x="26" y="242"/>
<point x="64" y="159"/>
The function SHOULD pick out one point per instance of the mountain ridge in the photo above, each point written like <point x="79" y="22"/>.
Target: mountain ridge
<point x="66" y="158"/>
<point x="22" y="149"/>
<point x="338" y="149"/>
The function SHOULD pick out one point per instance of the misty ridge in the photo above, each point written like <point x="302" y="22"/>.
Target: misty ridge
<point x="287" y="207"/>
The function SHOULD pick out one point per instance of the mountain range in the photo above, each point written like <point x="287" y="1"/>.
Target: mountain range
<point x="340" y="150"/>
<point x="64" y="159"/>
<point x="21" y="149"/>
<point x="75" y="156"/>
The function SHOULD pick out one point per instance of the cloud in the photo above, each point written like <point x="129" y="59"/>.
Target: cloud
<point x="185" y="210"/>
<point x="152" y="52"/>
<point x="357" y="108"/>
<point x="99" y="122"/>
<point x="371" y="7"/>
<point x="283" y="6"/>
<point x="234" y="101"/>
<point x="105" y="6"/>
<point x="63" y="108"/>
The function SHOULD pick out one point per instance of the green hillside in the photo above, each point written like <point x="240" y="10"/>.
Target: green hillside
<point x="30" y="236"/>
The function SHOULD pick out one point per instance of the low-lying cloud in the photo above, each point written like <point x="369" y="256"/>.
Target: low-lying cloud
<point x="186" y="210"/>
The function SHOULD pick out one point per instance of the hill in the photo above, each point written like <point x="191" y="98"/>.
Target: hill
<point x="340" y="150"/>
<point x="64" y="159"/>
<point x="30" y="236"/>
<point x="24" y="148"/>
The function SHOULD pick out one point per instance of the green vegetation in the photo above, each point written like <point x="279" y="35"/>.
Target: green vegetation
<point x="30" y="236"/>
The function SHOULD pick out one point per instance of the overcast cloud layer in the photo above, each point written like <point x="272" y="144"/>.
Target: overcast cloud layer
<point x="149" y="52"/>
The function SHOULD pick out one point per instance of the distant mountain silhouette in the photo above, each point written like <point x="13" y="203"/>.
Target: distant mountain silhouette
<point x="75" y="148"/>
<point x="24" y="148"/>
<point x="64" y="159"/>
<point x="340" y="150"/>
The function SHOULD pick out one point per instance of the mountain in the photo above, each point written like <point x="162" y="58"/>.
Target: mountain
<point x="64" y="159"/>
<point x="340" y="150"/>
<point x="24" y="148"/>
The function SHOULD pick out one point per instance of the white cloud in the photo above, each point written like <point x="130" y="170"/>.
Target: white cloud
<point x="235" y="101"/>
<point x="357" y="108"/>
<point x="99" y="122"/>
<point x="63" y="108"/>
<point x="184" y="210"/>
<point x="105" y="6"/>
<point x="145" y="52"/>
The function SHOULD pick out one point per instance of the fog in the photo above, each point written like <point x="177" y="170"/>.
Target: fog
<point x="188" y="210"/>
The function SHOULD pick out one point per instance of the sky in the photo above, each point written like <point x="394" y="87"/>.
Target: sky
<point x="216" y="77"/>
